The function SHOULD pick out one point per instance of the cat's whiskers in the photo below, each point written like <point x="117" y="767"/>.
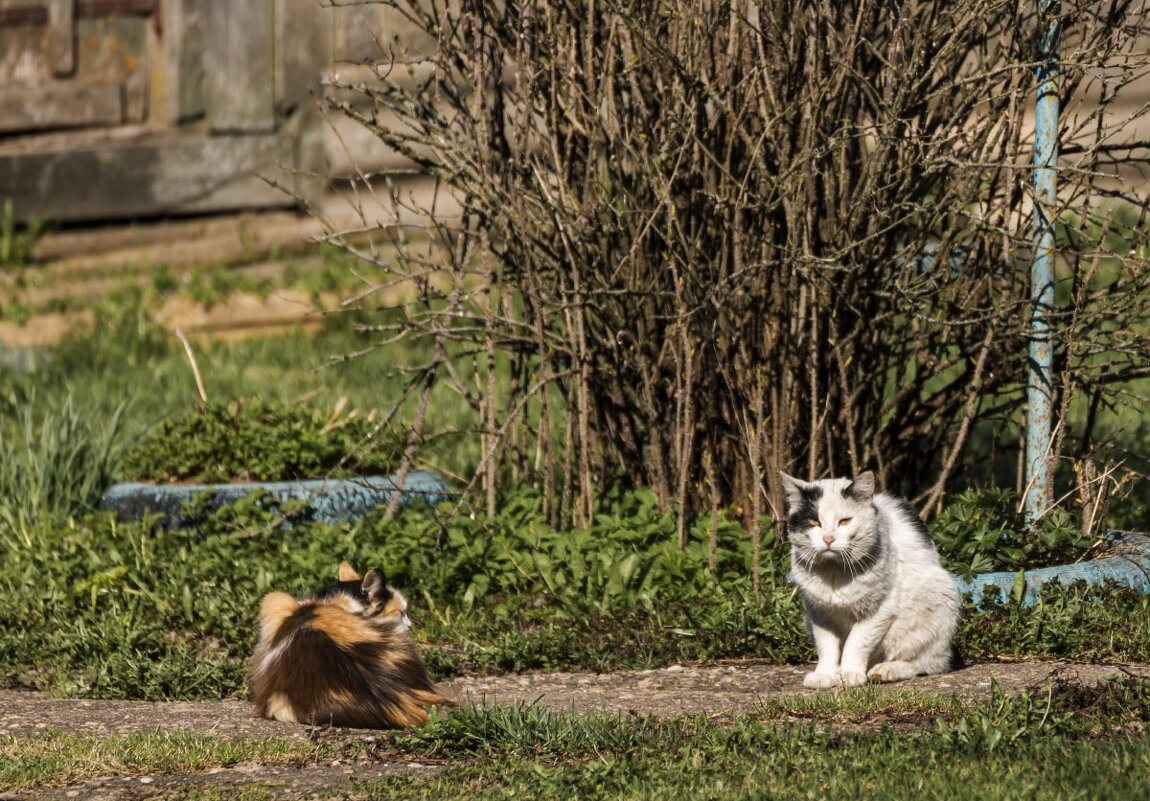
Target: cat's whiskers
<point x="852" y="562"/>
<point x="864" y="560"/>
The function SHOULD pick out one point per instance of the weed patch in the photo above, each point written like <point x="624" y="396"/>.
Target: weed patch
<point x="54" y="462"/>
<point x="981" y="531"/>
<point x="1078" y="621"/>
<point x="58" y="758"/>
<point x="256" y="440"/>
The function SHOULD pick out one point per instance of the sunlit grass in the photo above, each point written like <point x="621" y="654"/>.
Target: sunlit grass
<point x="860" y="704"/>
<point x="57" y="757"/>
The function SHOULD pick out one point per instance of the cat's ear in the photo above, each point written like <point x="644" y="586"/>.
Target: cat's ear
<point x="793" y="489"/>
<point x="375" y="585"/>
<point x="862" y="488"/>
<point x="347" y="572"/>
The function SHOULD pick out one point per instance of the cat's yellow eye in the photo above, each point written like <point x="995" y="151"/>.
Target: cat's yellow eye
<point x="814" y="523"/>
<point x="845" y="521"/>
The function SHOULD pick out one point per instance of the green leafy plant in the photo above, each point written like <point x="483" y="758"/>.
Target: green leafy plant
<point x="981" y="531"/>
<point x="118" y="611"/>
<point x="255" y="440"/>
<point x="623" y="557"/>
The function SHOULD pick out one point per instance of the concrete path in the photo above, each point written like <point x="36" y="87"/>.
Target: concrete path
<point x="717" y="690"/>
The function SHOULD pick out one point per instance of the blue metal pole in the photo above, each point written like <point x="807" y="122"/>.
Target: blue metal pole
<point x="1039" y="391"/>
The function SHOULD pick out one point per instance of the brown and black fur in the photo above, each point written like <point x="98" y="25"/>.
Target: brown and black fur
<point x="342" y="658"/>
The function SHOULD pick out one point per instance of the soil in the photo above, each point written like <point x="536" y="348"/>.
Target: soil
<point x="721" y="691"/>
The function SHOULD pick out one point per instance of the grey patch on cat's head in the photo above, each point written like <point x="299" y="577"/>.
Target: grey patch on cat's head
<point x="802" y="502"/>
<point x="861" y="489"/>
<point x="910" y="518"/>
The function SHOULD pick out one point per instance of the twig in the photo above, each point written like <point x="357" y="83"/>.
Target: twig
<point x="195" y="367"/>
<point x="972" y="398"/>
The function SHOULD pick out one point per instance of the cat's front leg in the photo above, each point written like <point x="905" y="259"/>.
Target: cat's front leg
<point x="859" y="645"/>
<point x="829" y="646"/>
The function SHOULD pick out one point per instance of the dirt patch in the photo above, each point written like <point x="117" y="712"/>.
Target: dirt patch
<point x="736" y="689"/>
<point x="43" y="329"/>
<point x="722" y="691"/>
<point x="245" y="314"/>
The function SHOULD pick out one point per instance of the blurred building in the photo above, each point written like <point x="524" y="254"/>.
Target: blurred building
<point x="127" y="109"/>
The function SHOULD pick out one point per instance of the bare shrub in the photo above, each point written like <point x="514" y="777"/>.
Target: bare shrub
<point x="716" y="240"/>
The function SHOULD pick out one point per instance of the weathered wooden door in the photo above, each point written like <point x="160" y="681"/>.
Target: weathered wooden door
<point x="113" y="109"/>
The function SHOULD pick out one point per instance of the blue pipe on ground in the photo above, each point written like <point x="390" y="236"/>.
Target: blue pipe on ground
<point x="1127" y="566"/>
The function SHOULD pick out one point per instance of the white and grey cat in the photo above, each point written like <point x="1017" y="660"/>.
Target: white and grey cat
<point x="879" y="604"/>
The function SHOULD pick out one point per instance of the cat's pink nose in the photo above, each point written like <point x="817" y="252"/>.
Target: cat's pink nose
<point x="828" y="539"/>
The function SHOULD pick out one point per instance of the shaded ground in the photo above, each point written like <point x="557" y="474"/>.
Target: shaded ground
<point x="720" y="691"/>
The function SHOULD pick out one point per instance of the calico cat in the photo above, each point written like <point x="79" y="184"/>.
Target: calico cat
<point x="879" y="604"/>
<point x="342" y="658"/>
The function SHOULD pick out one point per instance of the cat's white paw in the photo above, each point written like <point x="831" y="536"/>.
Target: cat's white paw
<point x="891" y="671"/>
<point x="853" y="678"/>
<point x="820" y="681"/>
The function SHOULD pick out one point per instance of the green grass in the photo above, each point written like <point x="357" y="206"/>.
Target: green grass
<point x="803" y="768"/>
<point x="1058" y="741"/>
<point x="1034" y="745"/>
<point x="56" y="757"/>
<point x="55" y="461"/>
<point x="866" y="703"/>
<point x="130" y="372"/>
<point x="16" y="241"/>
<point x="125" y="352"/>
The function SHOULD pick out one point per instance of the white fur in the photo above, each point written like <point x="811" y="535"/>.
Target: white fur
<point x="402" y="621"/>
<point x="879" y="604"/>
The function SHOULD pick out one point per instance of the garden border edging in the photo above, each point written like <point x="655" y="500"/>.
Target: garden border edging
<point x="326" y="500"/>
<point x="1129" y="567"/>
